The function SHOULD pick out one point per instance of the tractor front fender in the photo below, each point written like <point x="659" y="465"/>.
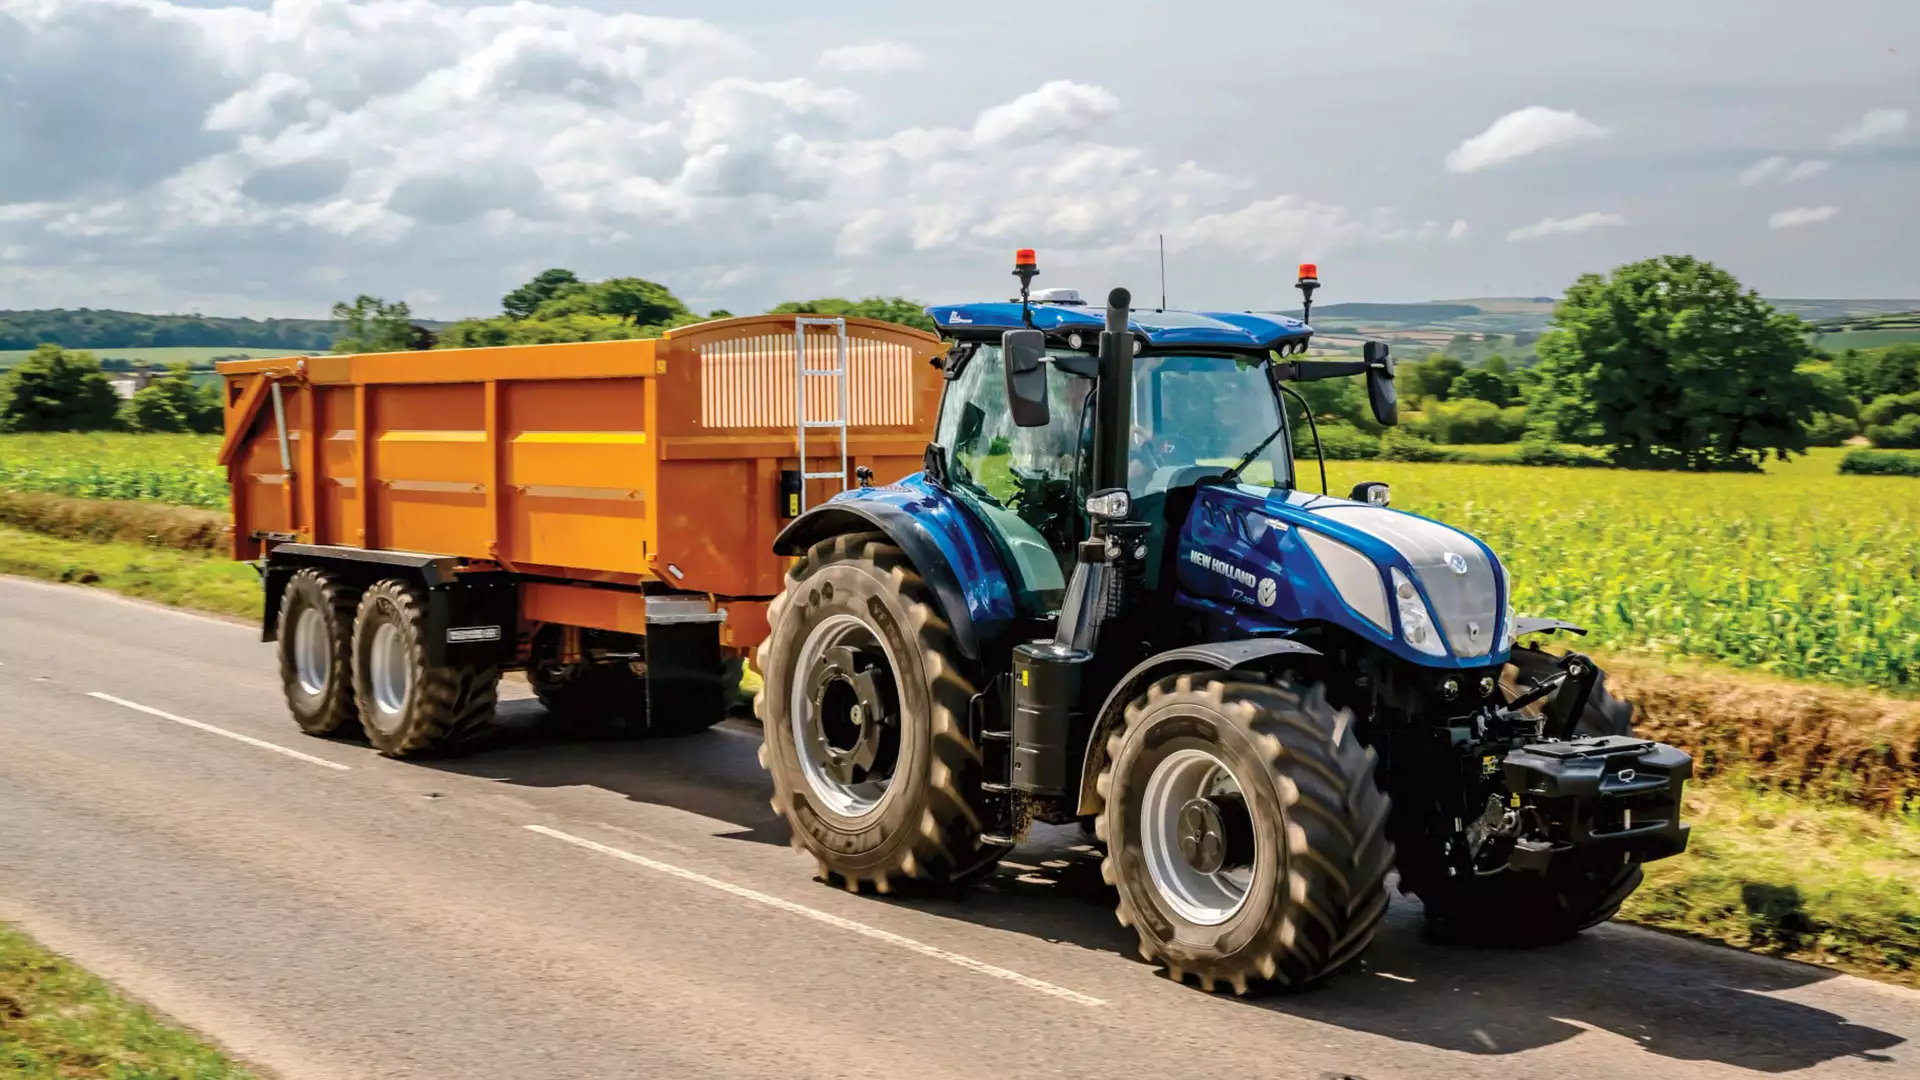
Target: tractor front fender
<point x="1251" y="654"/>
<point x="941" y="541"/>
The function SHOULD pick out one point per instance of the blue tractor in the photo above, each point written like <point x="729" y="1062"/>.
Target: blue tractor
<point x="1108" y="598"/>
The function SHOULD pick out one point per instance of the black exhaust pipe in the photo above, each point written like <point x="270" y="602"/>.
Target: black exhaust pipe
<point x="1113" y="424"/>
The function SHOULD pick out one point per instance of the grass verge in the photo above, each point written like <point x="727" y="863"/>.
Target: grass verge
<point x="182" y="578"/>
<point x="60" y="1023"/>
<point x="184" y="528"/>
<point x="1836" y="886"/>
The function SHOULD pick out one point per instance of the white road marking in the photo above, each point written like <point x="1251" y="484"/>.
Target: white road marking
<point x="805" y="912"/>
<point x="234" y="735"/>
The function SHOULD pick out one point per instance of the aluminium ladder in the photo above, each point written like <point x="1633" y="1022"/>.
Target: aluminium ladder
<point x="840" y="374"/>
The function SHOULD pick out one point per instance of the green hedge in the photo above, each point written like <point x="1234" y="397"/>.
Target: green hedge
<point x="1880" y="463"/>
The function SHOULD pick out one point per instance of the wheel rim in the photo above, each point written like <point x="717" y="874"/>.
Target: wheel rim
<point x="389" y="675"/>
<point x="845" y="726"/>
<point x="312" y="650"/>
<point x="1180" y="787"/>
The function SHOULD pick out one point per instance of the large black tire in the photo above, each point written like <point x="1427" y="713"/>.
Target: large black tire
<point x="316" y="612"/>
<point x="1315" y="892"/>
<point x="1526" y="910"/>
<point x="924" y="831"/>
<point x="433" y="710"/>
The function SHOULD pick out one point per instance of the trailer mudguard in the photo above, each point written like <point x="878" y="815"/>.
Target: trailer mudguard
<point x="949" y="549"/>
<point x="1217" y="656"/>
<point x="470" y="616"/>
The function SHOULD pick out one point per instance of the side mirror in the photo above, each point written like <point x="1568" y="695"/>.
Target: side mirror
<point x="1380" y="390"/>
<point x="1024" y="353"/>
<point x="1372" y="492"/>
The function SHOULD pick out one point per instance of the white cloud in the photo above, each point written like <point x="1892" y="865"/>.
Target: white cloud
<point x="1782" y="168"/>
<point x="506" y="137"/>
<point x="1458" y="231"/>
<point x="1592" y="219"/>
<point x="1765" y="169"/>
<point x="876" y="56"/>
<point x="1877" y="124"/>
<point x="1058" y="109"/>
<point x="1520" y="133"/>
<point x="1801" y="215"/>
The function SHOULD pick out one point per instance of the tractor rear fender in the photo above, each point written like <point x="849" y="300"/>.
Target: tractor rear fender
<point x="943" y="544"/>
<point x="1258" y="654"/>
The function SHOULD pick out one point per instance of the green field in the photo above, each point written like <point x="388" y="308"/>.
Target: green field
<point x="197" y="355"/>
<point x="1865" y="339"/>
<point x="165" y="468"/>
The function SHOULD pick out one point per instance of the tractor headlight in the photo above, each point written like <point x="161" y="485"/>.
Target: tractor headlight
<point x="1505" y="640"/>
<point x="1110" y="505"/>
<point x="1416" y="624"/>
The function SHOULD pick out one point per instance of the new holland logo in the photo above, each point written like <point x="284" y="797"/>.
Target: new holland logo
<point x="1265" y="590"/>
<point x="1456" y="563"/>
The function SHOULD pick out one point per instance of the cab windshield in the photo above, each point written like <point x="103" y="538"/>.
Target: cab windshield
<point x="1194" y="415"/>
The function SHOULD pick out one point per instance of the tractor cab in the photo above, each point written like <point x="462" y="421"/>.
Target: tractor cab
<point x="1016" y="439"/>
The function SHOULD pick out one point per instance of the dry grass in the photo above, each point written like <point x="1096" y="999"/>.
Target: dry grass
<point x="1832" y="743"/>
<point x="156" y="524"/>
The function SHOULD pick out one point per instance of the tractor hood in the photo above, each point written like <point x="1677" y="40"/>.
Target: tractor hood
<point x="1271" y="559"/>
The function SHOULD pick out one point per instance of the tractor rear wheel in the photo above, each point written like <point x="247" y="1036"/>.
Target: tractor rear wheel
<point x="316" y="652"/>
<point x="863" y="707"/>
<point x="408" y="707"/>
<point x="1245" y="831"/>
<point x="1519" y="909"/>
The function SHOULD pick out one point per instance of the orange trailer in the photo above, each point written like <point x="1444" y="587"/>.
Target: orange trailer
<point x="600" y="514"/>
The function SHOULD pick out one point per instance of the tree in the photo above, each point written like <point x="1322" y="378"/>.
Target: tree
<point x="56" y="390"/>
<point x="370" y="324"/>
<point x="1671" y="363"/>
<point x="1872" y="373"/>
<point x="523" y="301"/>
<point x="1484" y="384"/>
<point x="893" y="309"/>
<point x="636" y="300"/>
<point x="1429" y="378"/>
<point x="173" y="403"/>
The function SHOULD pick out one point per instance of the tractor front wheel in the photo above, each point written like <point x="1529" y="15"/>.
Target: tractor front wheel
<point x="863" y="707"/>
<point x="1245" y="832"/>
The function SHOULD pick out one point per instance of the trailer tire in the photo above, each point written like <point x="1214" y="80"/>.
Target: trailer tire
<point x="1526" y="910"/>
<point x="917" y="828"/>
<point x="1311" y="838"/>
<point x="408" y="707"/>
<point x="316" y="652"/>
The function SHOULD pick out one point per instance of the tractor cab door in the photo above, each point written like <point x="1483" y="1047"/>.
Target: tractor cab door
<point x="1026" y="484"/>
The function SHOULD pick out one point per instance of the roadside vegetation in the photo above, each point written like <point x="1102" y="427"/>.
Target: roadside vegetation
<point x="60" y="1023"/>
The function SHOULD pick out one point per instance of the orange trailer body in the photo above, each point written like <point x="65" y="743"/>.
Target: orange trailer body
<point x="595" y="474"/>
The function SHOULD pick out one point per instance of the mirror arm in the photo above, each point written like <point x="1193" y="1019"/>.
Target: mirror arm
<point x="1315" y="370"/>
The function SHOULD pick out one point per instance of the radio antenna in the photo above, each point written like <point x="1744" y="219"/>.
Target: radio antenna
<point x="1163" y="271"/>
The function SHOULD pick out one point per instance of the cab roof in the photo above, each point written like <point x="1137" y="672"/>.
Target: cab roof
<point x="1228" y="331"/>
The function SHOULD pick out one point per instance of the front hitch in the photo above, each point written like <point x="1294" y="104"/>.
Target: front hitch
<point x="1610" y="795"/>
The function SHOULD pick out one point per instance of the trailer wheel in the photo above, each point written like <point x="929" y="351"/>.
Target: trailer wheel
<point x="1524" y="910"/>
<point x="864" y="706"/>
<point x="409" y="708"/>
<point x="316" y="651"/>
<point x="1245" y="832"/>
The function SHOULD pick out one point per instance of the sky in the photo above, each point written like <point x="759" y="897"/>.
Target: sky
<point x="270" y="159"/>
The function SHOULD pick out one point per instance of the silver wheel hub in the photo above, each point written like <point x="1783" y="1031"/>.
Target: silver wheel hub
<point x="312" y="650"/>
<point x="1197" y="838"/>
<point x="841" y="708"/>
<point x="389" y="675"/>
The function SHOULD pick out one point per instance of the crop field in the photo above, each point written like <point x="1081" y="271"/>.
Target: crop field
<point x="1799" y="571"/>
<point x="197" y="355"/>
<point x="164" y="468"/>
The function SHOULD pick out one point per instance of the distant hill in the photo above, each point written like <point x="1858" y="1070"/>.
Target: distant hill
<point x="90" y="329"/>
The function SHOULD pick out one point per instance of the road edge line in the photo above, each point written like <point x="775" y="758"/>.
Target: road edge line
<point x="210" y="729"/>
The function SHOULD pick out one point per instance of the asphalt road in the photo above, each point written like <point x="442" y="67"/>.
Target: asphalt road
<point x="579" y="908"/>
